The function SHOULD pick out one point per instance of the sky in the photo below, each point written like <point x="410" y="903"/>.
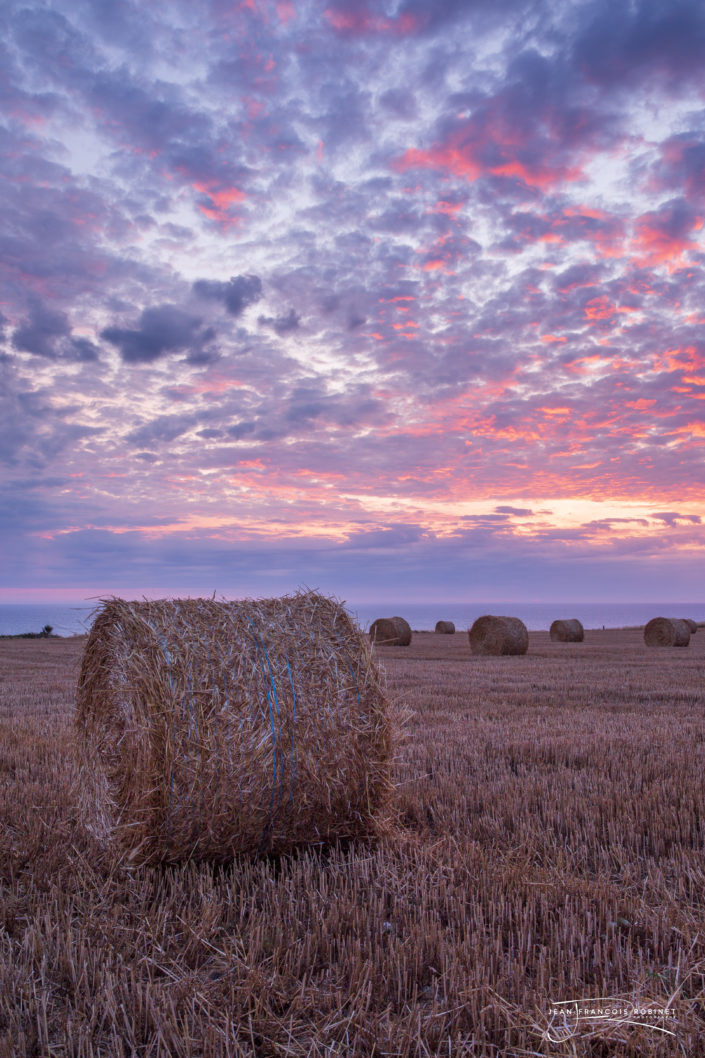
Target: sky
<point x="390" y="298"/>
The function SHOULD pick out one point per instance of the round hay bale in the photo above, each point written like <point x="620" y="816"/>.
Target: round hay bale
<point x="445" y="628"/>
<point x="207" y="728"/>
<point x="383" y="632"/>
<point x="666" y="632"/>
<point x="498" y="635"/>
<point x="692" y="625"/>
<point x="570" y="631"/>
<point x="403" y="631"/>
<point x="390" y="632"/>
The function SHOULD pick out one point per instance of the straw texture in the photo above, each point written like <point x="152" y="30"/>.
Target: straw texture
<point x="390" y="632"/>
<point x="666" y="632"/>
<point x="210" y="728"/>
<point x="445" y="628"/>
<point x="569" y="631"/>
<point x="692" y="625"/>
<point x="498" y="635"/>
<point x="403" y="631"/>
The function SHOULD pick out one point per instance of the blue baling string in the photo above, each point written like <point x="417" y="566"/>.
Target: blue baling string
<point x="262" y="649"/>
<point x="357" y="689"/>
<point x="226" y="704"/>
<point x="193" y="726"/>
<point x="279" y="725"/>
<point x="162" y="643"/>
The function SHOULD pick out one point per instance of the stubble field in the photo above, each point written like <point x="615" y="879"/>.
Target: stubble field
<point x="549" y="847"/>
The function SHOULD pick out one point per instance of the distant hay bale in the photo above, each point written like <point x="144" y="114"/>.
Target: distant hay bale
<point x="445" y="628"/>
<point x="390" y="632"/>
<point x="498" y="635"/>
<point x="569" y="631"/>
<point x="692" y="625"/>
<point x="403" y="631"/>
<point x="211" y="728"/>
<point x="666" y="632"/>
<point x="383" y="631"/>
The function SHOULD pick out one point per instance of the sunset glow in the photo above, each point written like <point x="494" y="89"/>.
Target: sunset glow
<point x="383" y="295"/>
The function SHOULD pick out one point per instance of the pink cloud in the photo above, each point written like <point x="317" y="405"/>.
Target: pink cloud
<point x="494" y="144"/>
<point x="357" y="19"/>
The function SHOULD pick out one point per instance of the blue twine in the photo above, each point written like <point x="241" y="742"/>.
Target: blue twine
<point x="226" y="705"/>
<point x="193" y="726"/>
<point x="261" y="647"/>
<point x="357" y="689"/>
<point x="162" y="642"/>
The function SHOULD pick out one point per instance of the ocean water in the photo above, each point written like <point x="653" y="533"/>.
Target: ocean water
<point x="70" y="619"/>
<point x="535" y="615"/>
<point x="66" y="619"/>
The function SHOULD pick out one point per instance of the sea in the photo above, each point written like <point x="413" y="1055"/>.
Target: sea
<point x="71" y="619"/>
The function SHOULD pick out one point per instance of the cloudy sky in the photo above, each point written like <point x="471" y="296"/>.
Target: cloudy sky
<point x="392" y="298"/>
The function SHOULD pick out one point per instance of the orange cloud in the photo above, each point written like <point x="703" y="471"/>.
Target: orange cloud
<point x="680" y="359"/>
<point x="285" y="10"/>
<point x="215" y="384"/>
<point x="599" y="309"/>
<point x="221" y="203"/>
<point x="654" y="244"/>
<point x="361" y="21"/>
<point x="463" y="155"/>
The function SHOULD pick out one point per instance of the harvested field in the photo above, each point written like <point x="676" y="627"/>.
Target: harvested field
<point x="550" y="847"/>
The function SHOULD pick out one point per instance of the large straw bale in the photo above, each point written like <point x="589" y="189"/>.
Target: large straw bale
<point x="209" y="728"/>
<point x="568" y="631"/>
<point x="390" y="632"/>
<point x="692" y="625"/>
<point x="445" y="628"/>
<point x="666" y="632"/>
<point x="498" y="635"/>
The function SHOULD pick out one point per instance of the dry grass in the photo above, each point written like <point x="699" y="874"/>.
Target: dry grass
<point x="550" y="847"/>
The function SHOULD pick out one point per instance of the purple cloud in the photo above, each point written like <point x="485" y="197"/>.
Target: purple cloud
<point x="236" y="294"/>
<point x="475" y="238"/>
<point x="282" y="324"/>
<point x="162" y="329"/>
